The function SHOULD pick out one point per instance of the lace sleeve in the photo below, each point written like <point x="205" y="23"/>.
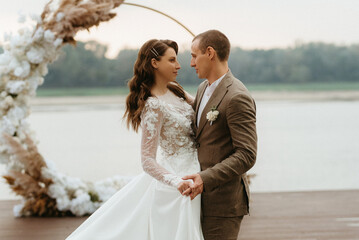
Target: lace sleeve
<point x="151" y="124"/>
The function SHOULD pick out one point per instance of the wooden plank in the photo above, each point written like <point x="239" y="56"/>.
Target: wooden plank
<point x="303" y="215"/>
<point x="322" y="215"/>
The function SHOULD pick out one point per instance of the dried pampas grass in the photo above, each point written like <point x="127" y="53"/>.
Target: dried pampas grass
<point x="29" y="182"/>
<point x="75" y="15"/>
<point x="30" y="157"/>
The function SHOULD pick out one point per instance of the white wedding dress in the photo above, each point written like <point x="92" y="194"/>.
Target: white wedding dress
<point x="150" y="207"/>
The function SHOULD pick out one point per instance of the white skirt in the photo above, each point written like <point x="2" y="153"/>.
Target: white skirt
<point x="144" y="209"/>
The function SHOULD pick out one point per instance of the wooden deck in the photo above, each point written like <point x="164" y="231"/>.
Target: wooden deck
<point x="274" y="216"/>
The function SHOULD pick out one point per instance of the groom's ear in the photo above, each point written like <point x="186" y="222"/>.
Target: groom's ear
<point x="210" y="52"/>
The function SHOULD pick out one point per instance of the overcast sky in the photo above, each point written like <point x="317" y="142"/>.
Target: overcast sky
<point x="247" y="23"/>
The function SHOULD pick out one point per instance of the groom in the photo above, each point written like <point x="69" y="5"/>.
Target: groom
<point x="225" y="126"/>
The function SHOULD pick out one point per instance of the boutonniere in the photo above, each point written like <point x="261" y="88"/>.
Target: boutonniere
<point x="212" y="115"/>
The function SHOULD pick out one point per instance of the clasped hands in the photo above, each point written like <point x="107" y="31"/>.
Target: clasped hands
<point x="191" y="188"/>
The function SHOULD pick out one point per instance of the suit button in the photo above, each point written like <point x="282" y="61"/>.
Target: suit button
<point x="198" y="145"/>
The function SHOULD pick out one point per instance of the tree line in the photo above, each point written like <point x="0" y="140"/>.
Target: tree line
<point x="86" y="65"/>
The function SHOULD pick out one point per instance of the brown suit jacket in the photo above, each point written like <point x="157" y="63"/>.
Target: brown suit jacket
<point x="226" y="149"/>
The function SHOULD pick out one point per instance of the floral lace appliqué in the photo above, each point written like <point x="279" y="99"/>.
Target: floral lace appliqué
<point x="166" y="129"/>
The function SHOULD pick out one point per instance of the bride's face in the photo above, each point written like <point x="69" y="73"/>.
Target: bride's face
<point x="168" y="66"/>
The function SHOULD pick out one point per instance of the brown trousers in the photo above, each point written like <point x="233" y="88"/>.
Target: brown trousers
<point x="221" y="228"/>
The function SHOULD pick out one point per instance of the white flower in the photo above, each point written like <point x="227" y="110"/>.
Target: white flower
<point x="26" y="125"/>
<point x="22" y="70"/>
<point x="58" y="42"/>
<point x="74" y="183"/>
<point x="49" y="36"/>
<point x="36" y="18"/>
<point x="60" y="16"/>
<point x="19" y="41"/>
<point x="63" y="203"/>
<point x="41" y="81"/>
<point x="13" y="164"/>
<point x="15" y="87"/>
<point x="5" y="58"/>
<point x="56" y="190"/>
<point x="17" y="210"/>
<point x="9" y="101"/>
<point x="3" y="70"/>
<point x="3" y="94"/>
<point x="109" y="186"/>
<point x="7" y="36"/>
<point x="105" y="193"/>
<point x="14" y="63"/>
<point x="33" y="82"/>
<point x="21" y="134"/>
<point x="3" y="148"/>
<point x="212" y="115"/>
<point x="50" y="165"/>
<point x="35" y="55"/>
<point x="6" y="126"/>
<point x="4" y="158"/>
<point x="46" y="172"/>
<point x="3" y="107"/>
<point x="82" y="204"/>
<point x="39" y="34"/>
<point x="43" y="69"/>
<point x="15" y="115"/>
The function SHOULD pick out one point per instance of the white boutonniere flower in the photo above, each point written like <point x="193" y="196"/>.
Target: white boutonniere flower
<point x="212" y="115"/>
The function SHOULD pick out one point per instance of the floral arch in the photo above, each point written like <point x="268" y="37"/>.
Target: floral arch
<point x="23" y="65"/>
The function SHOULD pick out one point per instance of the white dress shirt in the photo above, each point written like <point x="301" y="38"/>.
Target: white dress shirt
<point x="206" y="96"/>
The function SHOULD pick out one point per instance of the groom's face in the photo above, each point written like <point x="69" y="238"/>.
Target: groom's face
<point x="199" y="60"/>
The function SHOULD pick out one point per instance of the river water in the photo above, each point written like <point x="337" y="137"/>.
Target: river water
<point x="303" y="146"/>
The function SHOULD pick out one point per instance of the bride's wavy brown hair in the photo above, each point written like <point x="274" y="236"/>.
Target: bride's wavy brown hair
<point x="144" y="78"/>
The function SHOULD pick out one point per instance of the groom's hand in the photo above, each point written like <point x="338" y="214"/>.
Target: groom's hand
<point x="196" y="188"/>
<point x="183" y="186"/>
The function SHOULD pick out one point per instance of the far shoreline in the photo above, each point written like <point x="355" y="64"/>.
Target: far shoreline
<point x="346" y="95"/>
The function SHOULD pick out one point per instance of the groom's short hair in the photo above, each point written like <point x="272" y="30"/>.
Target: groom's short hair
<point x="215" y="39"/>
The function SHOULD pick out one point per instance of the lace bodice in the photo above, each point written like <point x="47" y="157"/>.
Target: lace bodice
<point x="167" y="148"/>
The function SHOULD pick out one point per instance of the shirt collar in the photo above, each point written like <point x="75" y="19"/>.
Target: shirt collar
<point x="215" y="83"/>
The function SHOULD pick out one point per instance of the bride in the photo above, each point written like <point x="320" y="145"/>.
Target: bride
<point x="152" y="206"/>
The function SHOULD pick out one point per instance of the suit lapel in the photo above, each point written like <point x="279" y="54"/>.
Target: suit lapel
<point x="202" y="90"/>
<point x="214" y="101"/>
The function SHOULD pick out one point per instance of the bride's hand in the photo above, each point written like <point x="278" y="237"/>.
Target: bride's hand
<point x="183" y="186"/>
